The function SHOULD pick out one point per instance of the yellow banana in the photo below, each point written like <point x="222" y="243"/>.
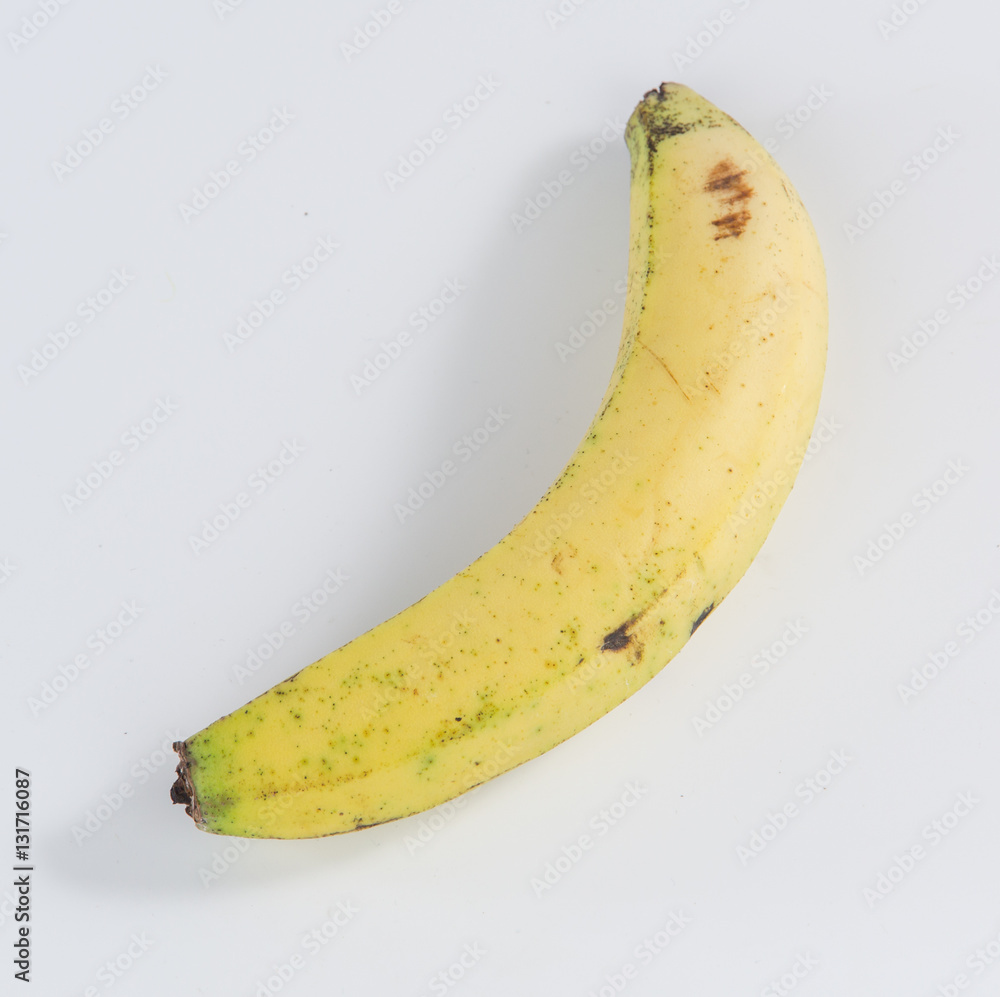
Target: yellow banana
<point x="657" y="515"/>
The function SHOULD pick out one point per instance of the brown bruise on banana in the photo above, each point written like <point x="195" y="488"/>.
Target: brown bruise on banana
<point x="728" y="182"/>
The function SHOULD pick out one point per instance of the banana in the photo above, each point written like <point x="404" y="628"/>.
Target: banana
<point x="657" y="515"/>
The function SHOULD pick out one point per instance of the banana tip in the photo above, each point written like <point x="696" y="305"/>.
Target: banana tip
<point x="183" y="791"/>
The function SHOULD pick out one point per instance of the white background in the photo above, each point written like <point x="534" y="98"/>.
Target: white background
<point x="127" y="895"/>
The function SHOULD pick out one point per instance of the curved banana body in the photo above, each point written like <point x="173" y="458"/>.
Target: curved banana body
<point x="657" y="515"/>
